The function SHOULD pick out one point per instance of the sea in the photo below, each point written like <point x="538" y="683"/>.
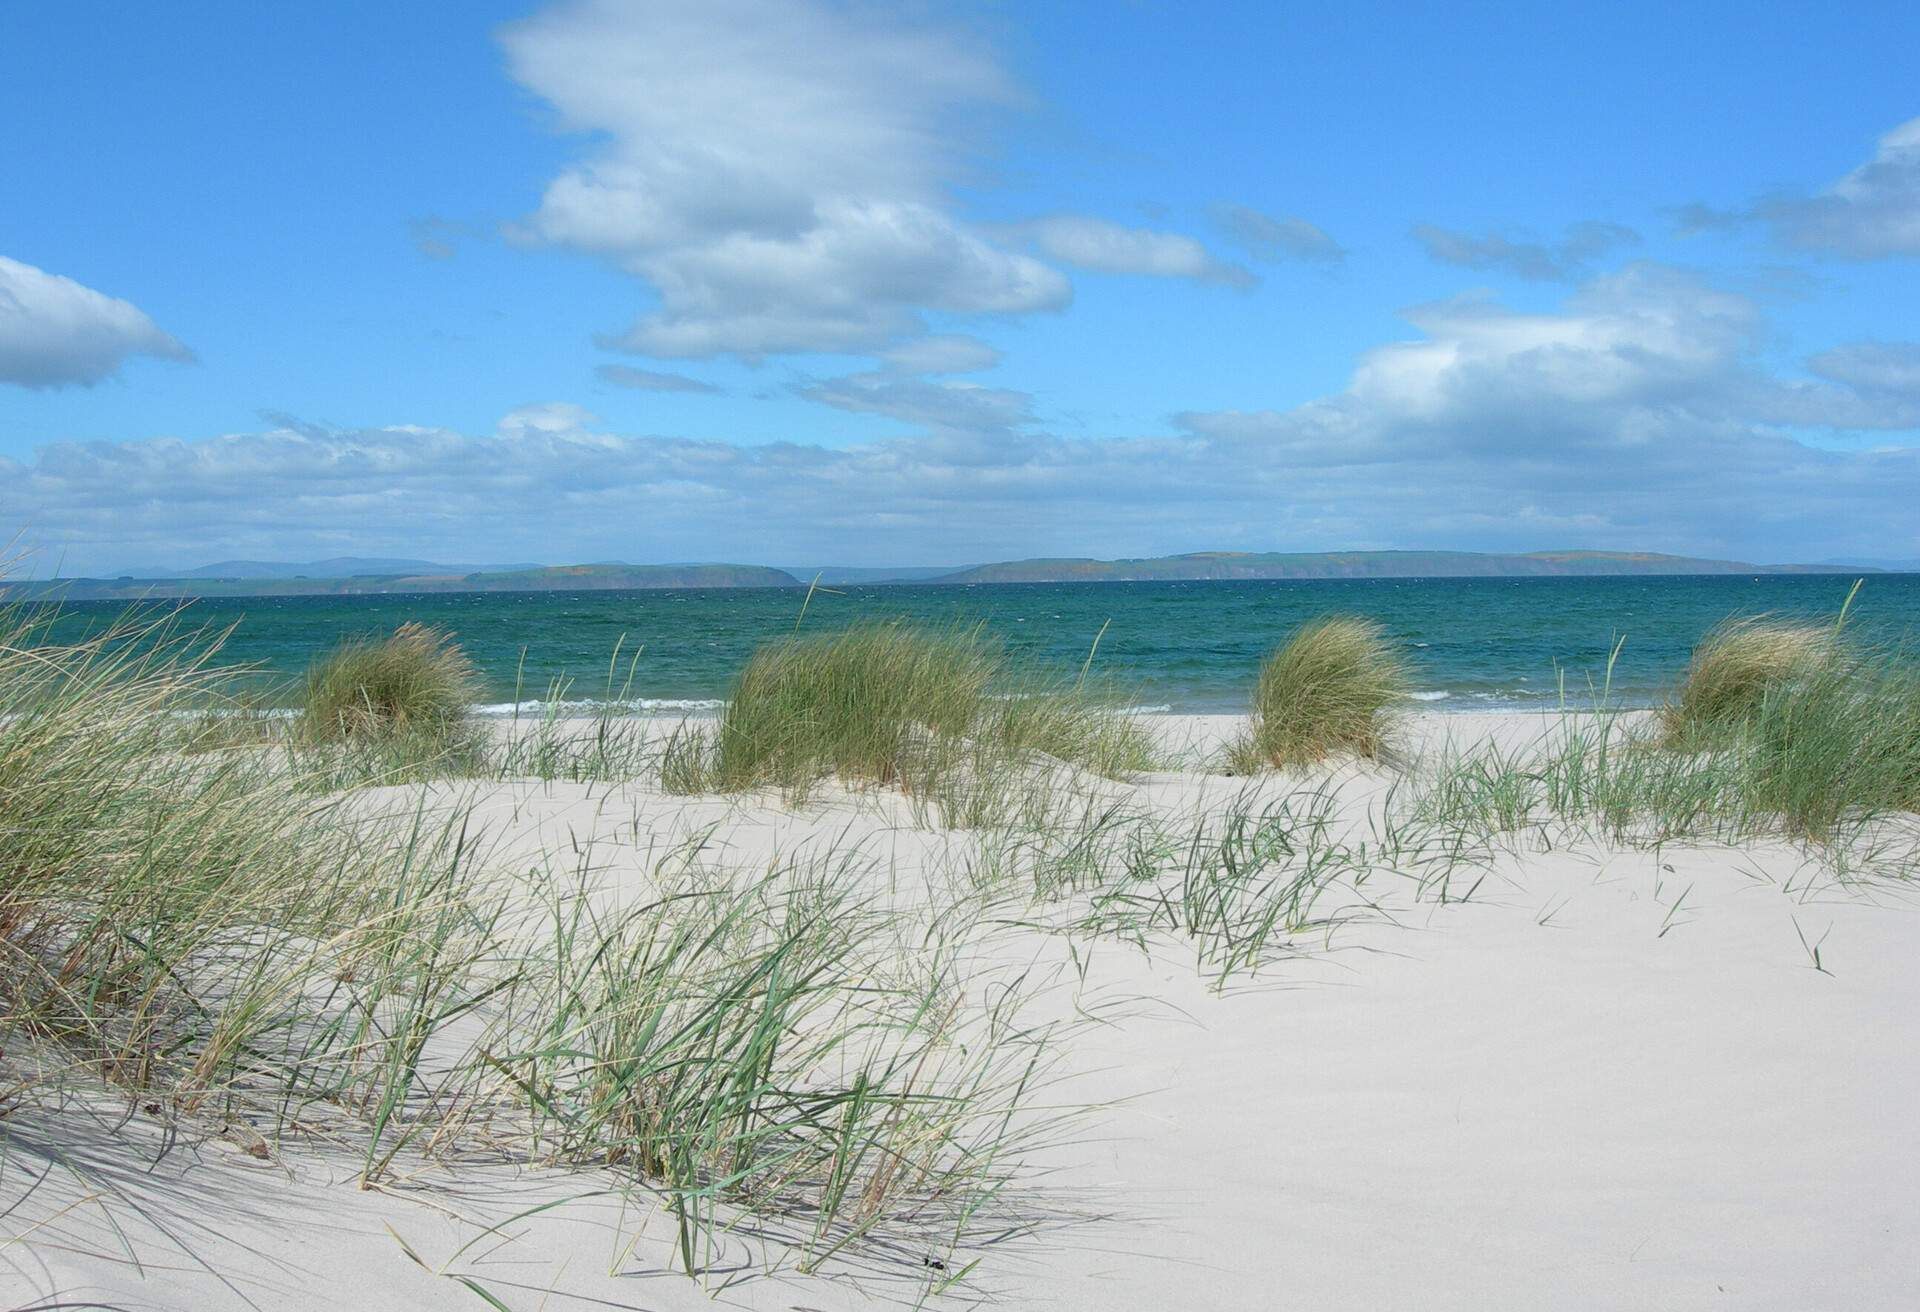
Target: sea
<point x="1175" y="647"/>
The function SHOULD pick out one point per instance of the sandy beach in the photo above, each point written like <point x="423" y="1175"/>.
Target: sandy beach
<point x="827" y="656"/>
<point x="1576" y="1074"/>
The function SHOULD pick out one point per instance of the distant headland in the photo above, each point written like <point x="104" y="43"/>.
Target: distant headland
<point x="346" y="576"/>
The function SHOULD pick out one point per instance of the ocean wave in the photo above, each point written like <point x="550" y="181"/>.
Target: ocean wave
<point x="1435" y="696"/>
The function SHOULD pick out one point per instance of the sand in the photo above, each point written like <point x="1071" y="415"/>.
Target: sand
<point x="1609" y="1079"/>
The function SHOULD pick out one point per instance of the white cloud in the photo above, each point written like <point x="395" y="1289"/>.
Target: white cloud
<point x="547" y="417"/>
<point x="949" y="353"/>
<point x="1647" y="335"/>
<point x="959" y="407"/>
<point x="648" y="380"/>
<point x="1535" y="261"/>
<point x="1108" y="247"/>
<point x="1274" y="238"/>
<point x="54" y="331"/>
<point x="1872" y="212"/>
<point x="1634" y="416"/>
<point x="777" y="172"/>
<point x="1873" y="366"/>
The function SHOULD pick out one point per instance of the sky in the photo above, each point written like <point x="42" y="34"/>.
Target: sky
<point x="928" y="283"/>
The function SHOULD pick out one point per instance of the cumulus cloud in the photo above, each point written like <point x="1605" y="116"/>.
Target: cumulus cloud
<point x="1872" y="212"/>
<point x="955" y="407"/>
<point x="1563" y="260"/>
<point x="777" y="172"/>
<point x="1635" y="415"/>
<point x="947" y="353"/>
<point x="1106" y="247"/>
<point x="1275" y="238"/>
<point x="1892" y="367"/>
<point x="1867" y="385"/>
<point x="648" y="380"/>
<point x="546" y="417"/>
<point x="54" y="331"/>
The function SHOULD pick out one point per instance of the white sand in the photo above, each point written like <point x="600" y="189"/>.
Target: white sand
<point x="1611" y="1079"/>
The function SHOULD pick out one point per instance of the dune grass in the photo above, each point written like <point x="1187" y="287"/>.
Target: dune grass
<point x="1329" y="691"/>
<point x="938" y="713"/>
<point x="197" y="929"/>
<point x="1811" y="736"/>
<point x="415" y="682"/>
<point x="1736" y="668"/>
<point x="1839" y="742"/>
<point x="390" y="710"/>
<point x="857" y="704"/>
<point x="201" y="933"/>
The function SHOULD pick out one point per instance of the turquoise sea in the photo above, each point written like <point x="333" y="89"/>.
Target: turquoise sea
<point x="1476" y="644"/>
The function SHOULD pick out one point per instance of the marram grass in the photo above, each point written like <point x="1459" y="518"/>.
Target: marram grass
<point x="857" y="704"/>
<point x="196" y="930"/>
<point x="1812" y="736"/>
<point x="416" y="681"/>
<point x="1329" y="691"/>
<point x="1737" y="667"/>
<point x="390" y="710"/>
<point x="939" y="713"/>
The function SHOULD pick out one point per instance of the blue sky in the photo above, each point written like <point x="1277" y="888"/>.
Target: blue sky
<point x="930" y="283"/>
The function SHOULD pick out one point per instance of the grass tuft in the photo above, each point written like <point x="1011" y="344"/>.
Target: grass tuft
<point x="1736" y="668"/>
<point x="857" y="704"/>
<point x="1328" y="691"/>
<point x="940" y="713"/>
<point x="1825" y="748"/>
<point x="391" y="710"/>
<point x="417" y="681"/>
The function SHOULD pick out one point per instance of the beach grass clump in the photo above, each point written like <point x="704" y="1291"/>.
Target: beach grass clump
<point x="856" y="704"/>
<point x="904" y="706"/>
<point x="1599" y="774"/>
<point x="1817" y="740"/>
<point x="152" y="895"/>
<point x="417" y="681"/>
<point x="1838" y="744"/>
<point x="1329" y="691"/>
<point x="767" y="1043"/>
<point x="389" y="710"/>
<point x="1077" y="722"/>
<point x="1736" y="668"/>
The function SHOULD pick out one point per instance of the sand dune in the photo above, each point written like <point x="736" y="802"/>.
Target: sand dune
<point x="1592" y="1076"/>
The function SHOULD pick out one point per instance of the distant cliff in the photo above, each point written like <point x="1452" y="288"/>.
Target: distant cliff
<point x="1364" y="565"/>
